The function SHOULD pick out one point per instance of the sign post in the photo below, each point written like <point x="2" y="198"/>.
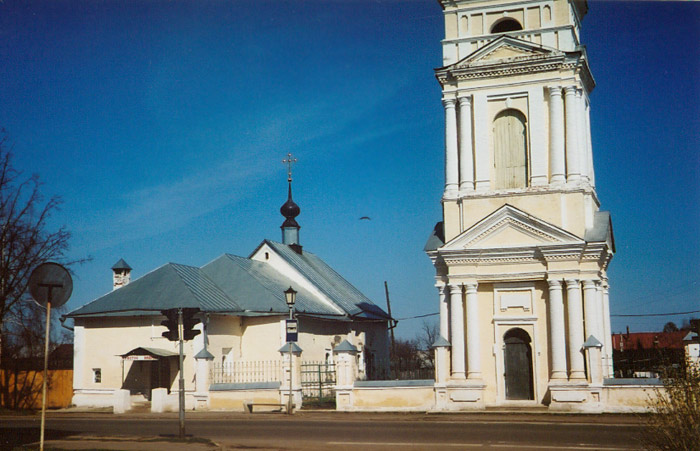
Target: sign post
<point x="290" y="297"/>
<point x="49" y="283"/>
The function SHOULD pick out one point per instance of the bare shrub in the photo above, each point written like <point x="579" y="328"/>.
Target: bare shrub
<point x="674" y="421"/>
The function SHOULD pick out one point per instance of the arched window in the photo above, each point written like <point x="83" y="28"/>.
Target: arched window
<point x="510" y="149"/>
<point x="506" y="25"/>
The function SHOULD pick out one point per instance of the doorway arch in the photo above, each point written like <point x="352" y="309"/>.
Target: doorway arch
<point x="517" y="359"/>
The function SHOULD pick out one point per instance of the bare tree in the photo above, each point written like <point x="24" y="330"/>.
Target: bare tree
<point x="26" y="239"/>
<point x="23" y="350"/>
<point x="428" y="334"/>
<point x="670" y="327"/>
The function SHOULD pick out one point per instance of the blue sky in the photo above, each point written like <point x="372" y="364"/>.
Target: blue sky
<point x="163" y="124"/>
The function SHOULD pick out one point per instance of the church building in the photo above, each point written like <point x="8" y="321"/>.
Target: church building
<point x="523" y="247"/>
<point x="118" y="342"/>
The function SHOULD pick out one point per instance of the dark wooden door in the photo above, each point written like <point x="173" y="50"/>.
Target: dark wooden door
<point x="518" y="366"/>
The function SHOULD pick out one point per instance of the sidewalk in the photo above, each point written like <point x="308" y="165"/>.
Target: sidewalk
<point x="493" y="414"/>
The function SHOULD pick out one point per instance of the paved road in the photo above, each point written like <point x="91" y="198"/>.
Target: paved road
<point x="335" y="431"/>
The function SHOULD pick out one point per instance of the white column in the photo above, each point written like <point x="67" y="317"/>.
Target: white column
<point x="466" y="154"/>
<point x="608" y="329"/>
<point x="457" y="329"/>
<point x="601" y="325"/>
<point x="590" y="310"/>
<point x="581" y="129"/>
<point x="589" y="145"/>
<point x="573" y="302"/>
<point x="573" y="168"/>
<point x="482" y="156"/>
<point x="79" y="357"/>
<point x="557" y="165"/>
<point x="473" y="342"/>
<point x="451" y="158"/>
<point x="444" y="313"/>
<point x="538" y="147"/>
<point x="557" y="334"/>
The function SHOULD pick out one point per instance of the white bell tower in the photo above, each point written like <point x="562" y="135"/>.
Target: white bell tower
<point x="522" y="251"/>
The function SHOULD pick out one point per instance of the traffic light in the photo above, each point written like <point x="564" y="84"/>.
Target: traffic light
<point x="171" y="323"/>
<point x="188" y="322"/>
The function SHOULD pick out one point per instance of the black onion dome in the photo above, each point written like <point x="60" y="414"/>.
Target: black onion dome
<point x="290" y="210"/>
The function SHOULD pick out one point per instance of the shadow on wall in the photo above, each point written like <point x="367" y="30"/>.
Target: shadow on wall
<point x="145" y="375"/>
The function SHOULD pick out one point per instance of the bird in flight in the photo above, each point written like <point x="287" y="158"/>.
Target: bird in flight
<point x="365" y="217"/>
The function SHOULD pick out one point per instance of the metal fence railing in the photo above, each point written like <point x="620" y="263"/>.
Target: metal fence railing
<point x="399" y="370"/>
<point x="318" y="380"/>
<point x="247" y="371"/>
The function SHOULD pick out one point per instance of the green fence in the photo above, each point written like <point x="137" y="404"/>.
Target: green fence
<point x="318" y="380"/>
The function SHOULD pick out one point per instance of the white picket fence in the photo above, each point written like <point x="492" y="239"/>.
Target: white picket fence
<point x="240" y="371"/>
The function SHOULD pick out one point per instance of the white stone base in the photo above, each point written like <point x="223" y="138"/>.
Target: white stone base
<point x="122" y="401"/>
<point x="93" y="398"/>
<point x="460" y="395"/>
<point x="575" y="397"/>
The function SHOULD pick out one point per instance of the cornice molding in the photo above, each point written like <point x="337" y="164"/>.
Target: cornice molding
<point x="544" y="254"/>
<point x="501" y="68"/>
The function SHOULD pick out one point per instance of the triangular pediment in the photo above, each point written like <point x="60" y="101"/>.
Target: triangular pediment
<point x="504" y="49"/>
<point x="510" y="227"/>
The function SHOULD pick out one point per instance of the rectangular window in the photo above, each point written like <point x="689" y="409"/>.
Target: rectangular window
<point x="97" y="375"/>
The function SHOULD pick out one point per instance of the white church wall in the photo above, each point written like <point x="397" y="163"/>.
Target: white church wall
<point x="224" y="337"/>
<point x="99" y="366"/>
<point x="261" y="338"/>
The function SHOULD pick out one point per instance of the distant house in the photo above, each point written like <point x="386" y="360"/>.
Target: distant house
<point x="118" y="342"/>
<point x="641" y="354"/>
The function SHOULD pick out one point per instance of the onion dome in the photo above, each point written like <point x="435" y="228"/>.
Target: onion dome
<point x="290" y="210"/>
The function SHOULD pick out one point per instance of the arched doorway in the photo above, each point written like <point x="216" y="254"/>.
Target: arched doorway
<point x="517" y="360"/>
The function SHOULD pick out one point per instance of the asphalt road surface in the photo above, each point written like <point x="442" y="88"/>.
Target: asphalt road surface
<point x="327" y="430"/>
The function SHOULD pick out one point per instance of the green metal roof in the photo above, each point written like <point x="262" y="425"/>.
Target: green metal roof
<point x="172" y="285"/>
<point x="121" y="264"/>
<point x="240" y="286"/>
<point x="332" y="284"/>
<point x="259" y="288"/>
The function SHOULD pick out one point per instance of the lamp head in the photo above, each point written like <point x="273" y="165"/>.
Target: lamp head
<point x="290" y="296"/>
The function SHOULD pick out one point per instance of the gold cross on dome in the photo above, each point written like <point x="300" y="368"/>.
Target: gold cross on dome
<point x="289" y="161"/>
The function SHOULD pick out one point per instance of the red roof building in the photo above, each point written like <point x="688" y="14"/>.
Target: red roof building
<point x="648" y="340"/>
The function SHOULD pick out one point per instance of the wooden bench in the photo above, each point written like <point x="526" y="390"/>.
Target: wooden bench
<point x="249" y="405"/>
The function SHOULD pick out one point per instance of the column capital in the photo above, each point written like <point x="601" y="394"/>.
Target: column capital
<point x="569" y="90"/>
<point x="464" y="100"/>
<point x="455" y="288"/>
<point x="571" y="282"/>
<point x="554" y="90"/>
<point x="448" y="102"/>
<point x="590" y="283"/>
<point x="554" y="284"/>
<point x="470" y="287"/>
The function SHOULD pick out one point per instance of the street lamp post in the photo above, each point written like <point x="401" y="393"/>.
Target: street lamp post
<point x="290" y="296"/>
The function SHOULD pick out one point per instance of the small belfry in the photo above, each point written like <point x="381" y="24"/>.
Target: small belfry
<point x="522" y="250"/>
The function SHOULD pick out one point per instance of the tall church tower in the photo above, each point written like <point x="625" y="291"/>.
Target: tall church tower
<point x="522" y="251"/>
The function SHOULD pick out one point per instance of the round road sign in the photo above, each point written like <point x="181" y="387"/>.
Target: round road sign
<point x="50" y="282"/>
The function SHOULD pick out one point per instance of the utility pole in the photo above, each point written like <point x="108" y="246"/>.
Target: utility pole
<point x="392" y="324"/>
